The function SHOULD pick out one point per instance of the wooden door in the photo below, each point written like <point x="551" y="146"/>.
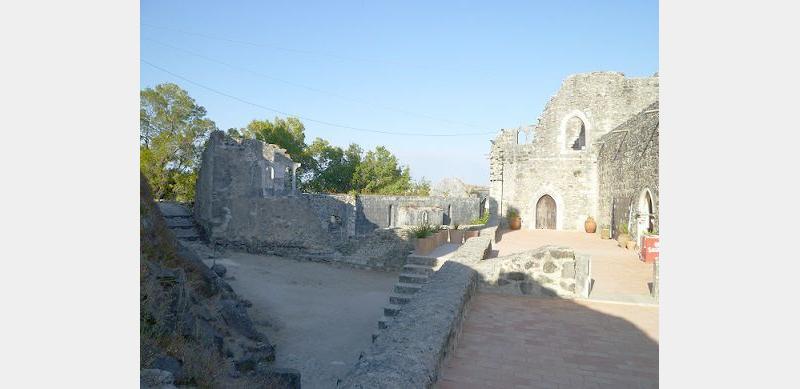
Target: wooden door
<point x="546" y="213"/>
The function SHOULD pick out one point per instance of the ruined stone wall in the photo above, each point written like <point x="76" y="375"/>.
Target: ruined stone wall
<point x="627" y="170"/>
<point x="378" y="211"/>
<point x="242" y="201"/>
<point x="336" y="213"/>
<point x="529" y="162"/>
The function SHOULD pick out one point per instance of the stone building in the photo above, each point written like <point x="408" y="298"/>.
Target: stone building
<point x="246" y="198"/>
<point x="550" y="172"/>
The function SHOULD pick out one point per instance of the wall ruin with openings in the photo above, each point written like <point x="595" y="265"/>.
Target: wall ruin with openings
<point x="558" y="155"/>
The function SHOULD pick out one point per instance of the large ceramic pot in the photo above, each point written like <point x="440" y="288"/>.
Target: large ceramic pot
<point x="515" y="223"/>
<point x="456" y="236"/>
<point x="622" y="239"/>
<point x="590" y="225"/>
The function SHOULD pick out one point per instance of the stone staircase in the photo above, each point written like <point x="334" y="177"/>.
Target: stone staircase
<point x="179" y="220"/>
<point x="415" y="273"/>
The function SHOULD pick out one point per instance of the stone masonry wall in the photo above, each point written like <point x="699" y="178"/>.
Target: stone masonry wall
<point x="529" y="162"/>
<point x="373" y="211"/>
<point x="627" y="169"/>
<point x="548" y="271"/>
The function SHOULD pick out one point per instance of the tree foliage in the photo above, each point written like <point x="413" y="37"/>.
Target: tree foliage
<point x="172" y="130"/>
<point x="380" y="173"/>
<point x="332" y="168"/>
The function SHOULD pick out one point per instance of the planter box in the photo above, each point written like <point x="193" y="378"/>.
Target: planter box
<point x="441" y="237"/>
<point x="456" y="236"/>
<point x="425" y="245"/>
<point x="470" y="234"/>
<point x="649" y="249"/>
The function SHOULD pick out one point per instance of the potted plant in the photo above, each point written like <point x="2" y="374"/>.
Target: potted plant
<point x="590" y="225"/>
<point x="456" y="235"/>
<point x="605" y="232"/>
<point x="622" y="236"/>
<point x="425" y="241"/>
<point x="514" y="221"/>
<point x="649" y="247"/>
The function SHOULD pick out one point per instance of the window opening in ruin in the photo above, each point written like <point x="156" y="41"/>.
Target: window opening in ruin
<point x="391" y="214"/>
<point x="425" y="217"/>
<point x="575" y="134"/>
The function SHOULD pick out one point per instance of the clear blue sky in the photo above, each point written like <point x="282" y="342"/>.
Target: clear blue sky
<point x="419" y="67"/>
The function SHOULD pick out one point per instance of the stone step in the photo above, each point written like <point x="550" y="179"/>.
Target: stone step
<point x="186" y="233"/>
<point x="391" y="310"/>
<point x="399" y="299"/>
<point x="418" y="269"/>
<point x="403" y="288"/>
<point x="414" y="259"/>
<point x="413" y="278"/>
<point x="180" y="222"/>
<point x="383" y="323"/>
<point x="375" y="335"/>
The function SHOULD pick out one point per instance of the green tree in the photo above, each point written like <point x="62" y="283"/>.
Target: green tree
<point x="379" y="173"/>
<point x="172" y="130"/>
<point x="421" y="188"/>
<point x="288" y="133"/>
<point x="331" y="167"/>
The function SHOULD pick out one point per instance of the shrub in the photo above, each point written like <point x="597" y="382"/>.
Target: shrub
<point x="512" y="213"/>
<point x="423" y="230"/>
<point x="481" y="220"/>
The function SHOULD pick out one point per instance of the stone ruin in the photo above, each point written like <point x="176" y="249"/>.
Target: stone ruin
<point x="593" y="152"/>
<point x="247" y="199"/>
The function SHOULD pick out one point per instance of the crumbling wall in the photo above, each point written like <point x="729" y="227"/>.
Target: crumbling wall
<point x="628" y="171"/>
<point x="242" y="201"/>
<point x="529" y="162"/>
<point x="378" y="211"/>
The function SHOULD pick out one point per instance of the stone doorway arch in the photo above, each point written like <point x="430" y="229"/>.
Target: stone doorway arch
<point x="546" y="213"/>
<point x="645" y="216"/>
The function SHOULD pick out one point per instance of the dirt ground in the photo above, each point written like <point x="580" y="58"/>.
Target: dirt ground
<point x="319" y="316"/>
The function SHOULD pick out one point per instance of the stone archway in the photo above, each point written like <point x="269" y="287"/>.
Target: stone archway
<point x="644" y="214"/>
<point x="546" y="213"/>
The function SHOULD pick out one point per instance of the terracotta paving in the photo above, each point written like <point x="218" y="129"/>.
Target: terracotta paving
<point x="618" y="273"/>
<point x="523" y="342"/>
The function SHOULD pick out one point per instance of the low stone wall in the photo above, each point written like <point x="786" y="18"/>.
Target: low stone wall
<point x="377" y="211"/>
<point x="409" y="353"/>
<point x="549" y="271"/>
<point x="384" y="249"/>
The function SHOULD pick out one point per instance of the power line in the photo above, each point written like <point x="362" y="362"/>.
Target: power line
<point x="317" y="90"/>
<point x="300" y="116"/>
<point x="310" y="52"/>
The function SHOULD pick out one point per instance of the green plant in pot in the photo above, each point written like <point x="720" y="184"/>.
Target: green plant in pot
<point x="514" y="221"/>
<point x="605" y="232"/>
<point x="622" y="235"/>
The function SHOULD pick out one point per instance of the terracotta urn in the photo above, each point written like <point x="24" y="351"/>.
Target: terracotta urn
<point x="623" y="239"/>
<point x="515" y="223"/>
<point x="630" y="245"/>
<point x="590" y="225"/>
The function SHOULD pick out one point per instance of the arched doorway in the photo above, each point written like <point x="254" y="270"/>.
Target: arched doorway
<point x="546" y="213"/>
<point x="645" y="217"/>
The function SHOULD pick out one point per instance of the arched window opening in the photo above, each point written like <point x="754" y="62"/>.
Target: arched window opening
<point x="575" y="134"/>
<point x="424" y="217"/>
<point x="391" y="216"/>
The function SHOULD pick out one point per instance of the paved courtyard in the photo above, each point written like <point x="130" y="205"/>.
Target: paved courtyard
<point x="618" y="273"/>
<point x="523" y="342"/>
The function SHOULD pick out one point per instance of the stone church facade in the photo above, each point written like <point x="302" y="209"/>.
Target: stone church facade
<point x="593" y="152"/>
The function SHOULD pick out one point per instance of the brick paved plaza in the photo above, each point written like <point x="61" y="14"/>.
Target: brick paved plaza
<point x="522" y="342"/>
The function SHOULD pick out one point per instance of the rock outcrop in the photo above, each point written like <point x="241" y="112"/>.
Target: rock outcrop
<point x="192" y="324"/>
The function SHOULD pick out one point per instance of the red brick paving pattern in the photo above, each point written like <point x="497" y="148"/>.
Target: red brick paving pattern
<point x="523" y="342"/>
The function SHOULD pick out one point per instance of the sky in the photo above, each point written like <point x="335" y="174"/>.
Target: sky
<point x="355" y="71"/>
